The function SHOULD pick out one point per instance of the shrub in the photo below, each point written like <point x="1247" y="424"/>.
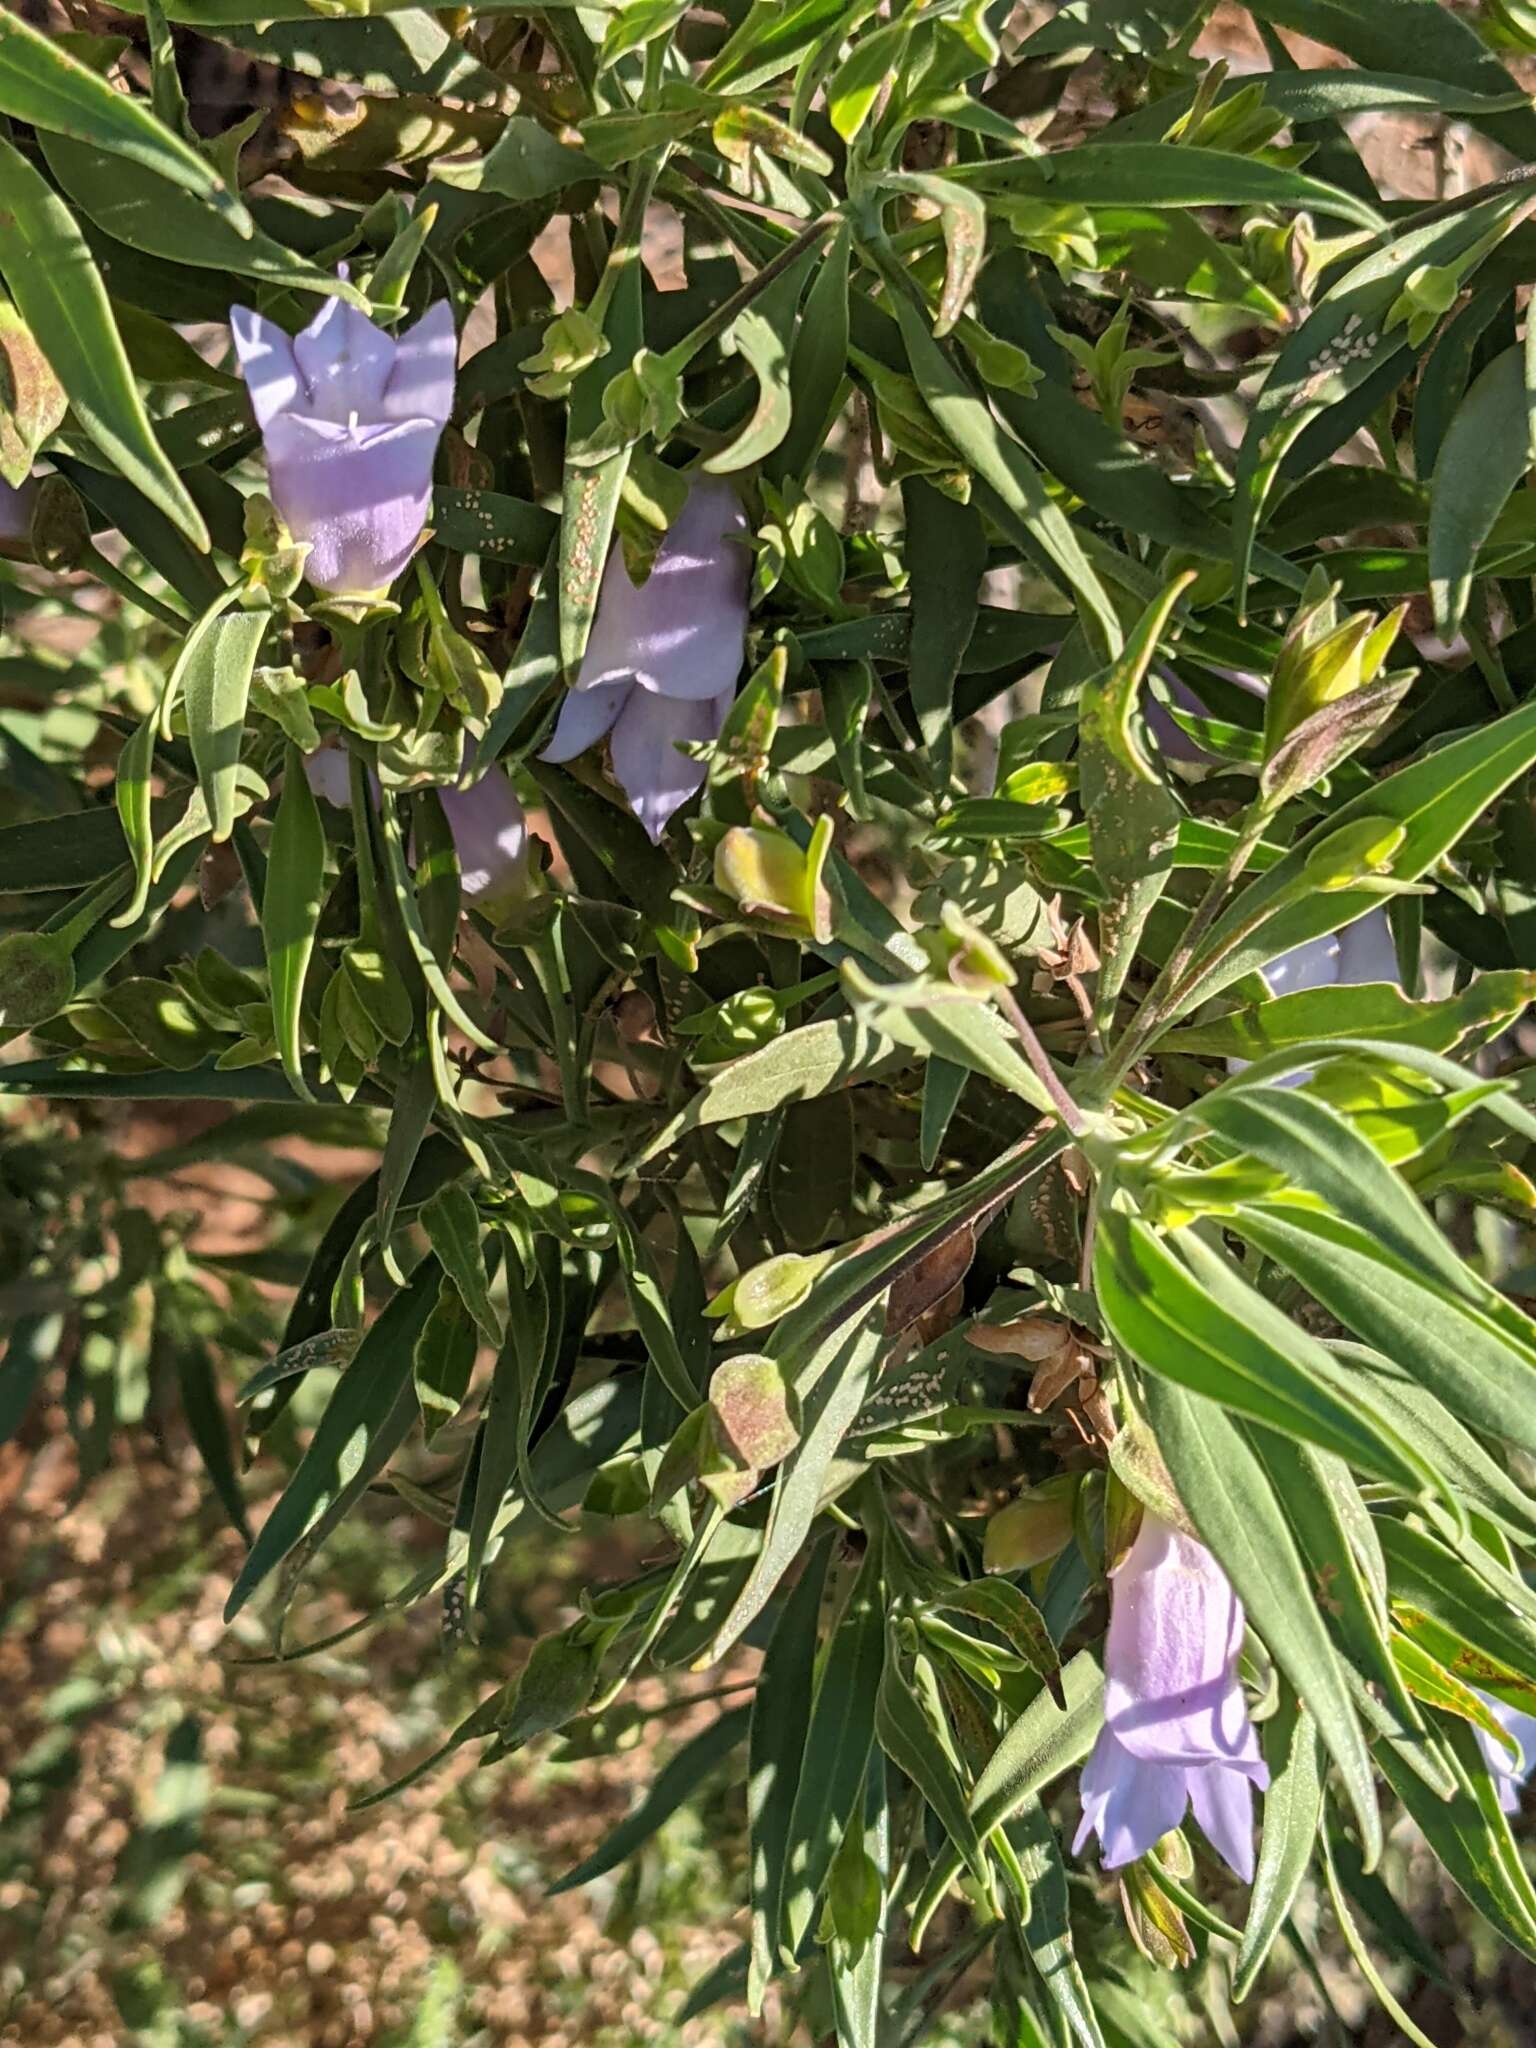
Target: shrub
<point x="857" y="683"/>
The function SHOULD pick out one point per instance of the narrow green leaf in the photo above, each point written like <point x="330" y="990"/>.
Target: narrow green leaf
<point x="1470" y="1836"/>
<point x="453" y="1225"/>
<point x="43" y="85"/>
<point x="811" y="1061"/>
<point x="1477" y="1635"/>
<point x="818" y="363"/>
<point x="1166" y="174"/>
<point x="1005" y="467"/>
<point x="290" y="913"/>
<point x="918" y="1742"/>
<point x="1375" y="1010"/>
<point x="204" y="1412"/>
<point x="1451" y="1349"/>
<point x="509" y="1416"/>
<point x="58" y="291"/>
<point x="1193" y="1320"/>
<point x="136" y="208"/>
<point x="946" y="559"/>
<point x="1484" y="455"/>
<point x="1293" y="1811"/>
<point x="781" y="1712"/>
<point x="832" y="1390"/>
<point x="1016" y="1618"/>
<point x="838" y="1741"/>
<point x="1463" y="1463"/>
<point x="344" y="1449"/>
<point x="673" y="1786"/>
<point x="135" y="808"/>
<point x="215" y="686"/>
<point x="1047" y="1929"/>
<point x="1325" y="1511"/>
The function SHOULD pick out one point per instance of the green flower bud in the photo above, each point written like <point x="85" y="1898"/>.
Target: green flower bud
<point x="764" y="1293"/>
<point x="1354" y="853"/>
<point x="754" y="1408"/>
<point x="1322" y="661"/>
<point x="764" y="871"/>
<point x="1031" y="1529"/>
<point x="272" y="561"/>
<point x="964" y="954"/>
<point x="37" y="978"/>
<point x="572" y="342"/>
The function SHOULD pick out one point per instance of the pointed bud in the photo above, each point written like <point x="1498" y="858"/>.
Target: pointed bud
<point x="1354" y="853"/>
<point x="1032" y="1528"/>
<point x="764" y="871"/>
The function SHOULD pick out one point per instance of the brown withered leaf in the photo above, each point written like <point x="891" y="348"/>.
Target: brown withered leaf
<point x="32" y="400"/>
<point x="923" y="1285"/>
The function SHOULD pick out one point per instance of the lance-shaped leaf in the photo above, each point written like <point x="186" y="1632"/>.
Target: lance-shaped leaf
<point x="914" y="1733"/>
<point x="58" y="292"/>
<point x="946" y="559"/>
<point x="986" y="446"/>
<point x="832" y="1388"/>
<point x="290" y="912"/>
<point x="838" y="1740"/>
<point x="1485" y="453"/>
<point x="781" y="1709"/>
<point x="42" y="84"/>
<point x="1293" y="1809"/>
<point x="1374" y="1010"/>
<point x="348" y="1447"/>
<point x="215" y="687"/>
<point x="963" y="220"/>
<point x="1470" y="1836"/>
<point x="1196" y="1321"/>
<point x="1483" y="1371"/>
<point x="32" y="400"/>
<point x="1133" y="817"/>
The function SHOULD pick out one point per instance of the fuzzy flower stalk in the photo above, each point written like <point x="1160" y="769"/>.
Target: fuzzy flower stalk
<point x="1176" y="1730"/>
<point x="664" y="657"/>
<point x="351" y="420"/>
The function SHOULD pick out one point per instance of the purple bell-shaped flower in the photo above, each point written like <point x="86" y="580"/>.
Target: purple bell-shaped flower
<point x="664" y="656"/>
<point x="1176" y="1730"/>
<point x="351" y="420"/>
<point x="1508" y="1774"/>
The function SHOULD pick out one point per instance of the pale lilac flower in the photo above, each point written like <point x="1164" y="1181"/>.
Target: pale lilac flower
<point x="490" y="833"/>
<point x="490" y="837"/>
<point x="1508" y="1773"/>
<point x="351" y="420"/>
<point x="1363" y="951"/>
<point x="328" y="774"/>
<point x="1176" y="1730"/>
<point x="663" y="659"/>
